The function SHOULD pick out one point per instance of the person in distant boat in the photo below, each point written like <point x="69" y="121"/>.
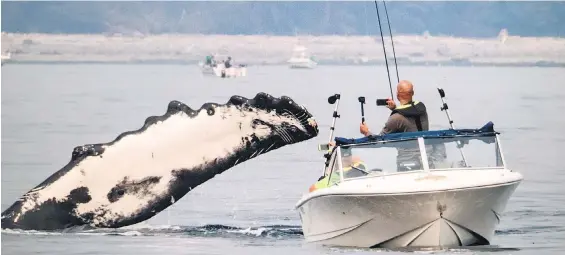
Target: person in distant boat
<point x="227" y="64"/>
<point x="409" y="116"/>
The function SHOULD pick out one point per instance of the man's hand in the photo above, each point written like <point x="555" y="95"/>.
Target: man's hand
<point x="364" y="129"/>
<point x="390" y="104"/>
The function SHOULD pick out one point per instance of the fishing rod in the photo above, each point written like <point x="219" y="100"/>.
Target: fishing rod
<point x="445" y="108"/>
<point x="392" y="42"/>
<point x="384" y="50"/>
<point x="334" y="99"/>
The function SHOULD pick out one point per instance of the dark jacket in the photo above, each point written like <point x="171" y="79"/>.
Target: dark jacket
<point x="410" y="117"/>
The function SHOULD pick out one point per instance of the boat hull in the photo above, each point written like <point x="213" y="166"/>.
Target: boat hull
<point x="220" y="71"/>
<point x="457" y="217"/>
<point x="302" y="64"/>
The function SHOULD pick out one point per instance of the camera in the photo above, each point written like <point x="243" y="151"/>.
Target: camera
<point x="382" y="102"/>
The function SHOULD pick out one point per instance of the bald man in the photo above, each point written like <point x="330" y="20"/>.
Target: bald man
<point x="410" y="116"/>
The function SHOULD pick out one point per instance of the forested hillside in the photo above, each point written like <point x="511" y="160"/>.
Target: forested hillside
<point x="465" y="19"/>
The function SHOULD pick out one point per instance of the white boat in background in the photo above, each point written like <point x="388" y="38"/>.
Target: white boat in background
<point x="503" y="35"/>
<point x="6" y="57"/>
<point x="361" y="59"/>
<point x="301" y="58"/>
<point x="442" y="188"/>
<point x="218" y="68"/>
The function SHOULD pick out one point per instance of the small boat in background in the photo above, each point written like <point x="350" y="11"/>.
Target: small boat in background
<point x="6" y="57"/>
<point x="223" y="68"/>
<point x="301" y="58"/>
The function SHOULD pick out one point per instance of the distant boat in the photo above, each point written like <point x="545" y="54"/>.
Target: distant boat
<point x="503" y="35"/>
<point x="6" y="57"/>
<point x="361" y="59"/>
<point x="213" y="67"/>
<point x="301" y="58"/>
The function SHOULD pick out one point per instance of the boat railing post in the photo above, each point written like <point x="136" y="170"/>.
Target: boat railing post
<point x="424" y="154"/>
<point x="500" y="150"/>
<point x="340" y="166"/>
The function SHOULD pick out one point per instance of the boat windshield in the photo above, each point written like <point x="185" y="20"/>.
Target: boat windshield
<point x="466" y="152"/>
<point x="401" y="156"/>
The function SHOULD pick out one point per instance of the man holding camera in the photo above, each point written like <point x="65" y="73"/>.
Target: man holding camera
<point x="410" y="116"/>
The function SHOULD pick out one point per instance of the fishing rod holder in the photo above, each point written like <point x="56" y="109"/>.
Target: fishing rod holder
<point x="445" y="108"/>
<point x="362" y="101"/>
<point x="441" y="92"/>
<point x="335" y="115"/>
<point x="333" y="99"/>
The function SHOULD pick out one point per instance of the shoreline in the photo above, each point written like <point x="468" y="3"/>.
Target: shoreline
<point x="411" y="50"/>
<point x="195" y="64"/>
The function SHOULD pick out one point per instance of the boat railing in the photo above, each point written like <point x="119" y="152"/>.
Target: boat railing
<point x="418" y="154"/>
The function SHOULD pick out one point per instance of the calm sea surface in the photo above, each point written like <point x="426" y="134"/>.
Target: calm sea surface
<point x="47" y="110"/>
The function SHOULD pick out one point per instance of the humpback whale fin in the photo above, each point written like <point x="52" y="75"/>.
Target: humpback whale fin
<point x="142" y="172"/>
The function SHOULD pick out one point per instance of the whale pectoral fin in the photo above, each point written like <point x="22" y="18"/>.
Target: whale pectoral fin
<point x="264" y="123"/>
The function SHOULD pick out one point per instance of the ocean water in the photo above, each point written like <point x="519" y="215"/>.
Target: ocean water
<point x="48" y="109"/>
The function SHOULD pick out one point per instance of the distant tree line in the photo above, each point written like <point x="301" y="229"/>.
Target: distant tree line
<point x="466" y="19"/>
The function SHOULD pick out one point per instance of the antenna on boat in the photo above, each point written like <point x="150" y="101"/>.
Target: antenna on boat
<point x="362" y="101"/>
<point x="445" y="108"/>
<point x="384" y="50"/>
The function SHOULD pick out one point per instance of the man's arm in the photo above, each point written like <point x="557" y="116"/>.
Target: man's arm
<point x="392" y="125"/>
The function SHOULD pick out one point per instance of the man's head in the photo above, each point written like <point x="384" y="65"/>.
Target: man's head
<point x="404" y="91"/>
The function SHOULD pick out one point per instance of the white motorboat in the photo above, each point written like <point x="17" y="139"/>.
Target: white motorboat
<point x="301" y="59"/>
<point x="420" y="189"/>
<point x="6" y="57"/>
<point x="439" y="188"/>
<point x="221" y="71"/>
<point x="218" y="69"/>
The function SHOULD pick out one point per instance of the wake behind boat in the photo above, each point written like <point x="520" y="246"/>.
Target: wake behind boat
<point x="429" y="195"/>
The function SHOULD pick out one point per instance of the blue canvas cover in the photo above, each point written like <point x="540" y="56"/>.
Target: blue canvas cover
<point x="486" y="130"/>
